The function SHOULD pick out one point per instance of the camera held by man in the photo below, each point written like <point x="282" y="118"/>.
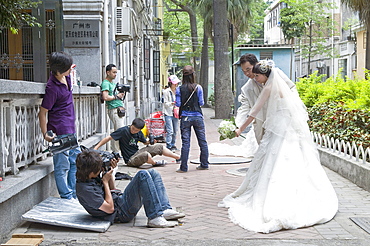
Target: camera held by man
<point x="61" y="144"/>
<point x="107" y="157"/>
<point x="122" y="88"/>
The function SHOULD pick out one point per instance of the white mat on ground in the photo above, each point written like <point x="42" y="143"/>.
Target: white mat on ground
<point x="246" y="149"/>
<point x="224" y="160"/>
<point x="64" y="212"/>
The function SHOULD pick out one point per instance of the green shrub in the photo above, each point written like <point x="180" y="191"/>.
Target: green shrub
<point x="310" y="89"/>
<point x="211" y="99"/>
<point x="333" y="120"/>
<point x="338" y="108"/>
<point x="355" y="94"/>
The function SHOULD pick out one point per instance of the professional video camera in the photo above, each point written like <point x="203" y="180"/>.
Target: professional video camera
<point x="107" y="157"/>
<point x="61" y="144"/>
<point x="121" y="88"/>
<point x="158" y="138"/>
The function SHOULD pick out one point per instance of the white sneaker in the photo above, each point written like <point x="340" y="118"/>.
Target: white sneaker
<point x="160" y="163"/>
<point x="161" y="222"/>
<point x="170" y="214"/>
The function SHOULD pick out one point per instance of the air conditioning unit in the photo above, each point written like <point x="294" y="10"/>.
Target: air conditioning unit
<point x="123" y="23"/>
<point x="320" y="64"/>
<point x="336" y="38"/>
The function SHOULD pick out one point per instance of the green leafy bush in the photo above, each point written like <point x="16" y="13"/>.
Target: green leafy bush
<point x="211" y="99"/>
<point x="338" y="108"/>
<point x="334" y="120"/>
<point x="355" y="94"/>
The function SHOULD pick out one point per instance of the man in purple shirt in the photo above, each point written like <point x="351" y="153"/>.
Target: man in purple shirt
<point x="57" y="114"/>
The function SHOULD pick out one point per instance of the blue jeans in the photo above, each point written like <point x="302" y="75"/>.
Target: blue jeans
<point x="172" y="126"/>
<point x="197" y="123"/>
<point x="147" y="189"/>
<point x="65" y="172"/>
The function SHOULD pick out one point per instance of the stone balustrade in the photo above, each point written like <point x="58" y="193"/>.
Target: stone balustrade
<point x="21" y="141"/>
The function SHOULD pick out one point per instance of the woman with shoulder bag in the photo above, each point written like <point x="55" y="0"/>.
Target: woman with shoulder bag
<point x="171" y="121"/>
<point x="189" y="97"/>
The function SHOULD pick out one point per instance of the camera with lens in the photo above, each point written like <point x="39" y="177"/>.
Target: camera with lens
<point x="122" y="88"/>
<point x="61" y="144"/>
<point x="106" y="158"/>
<point x="158" y="138"/>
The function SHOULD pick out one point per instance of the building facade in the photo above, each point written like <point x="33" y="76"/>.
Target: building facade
<point x="346" y="56"/>
<point x="95" y="33"/>
<point x="130" y="37"/>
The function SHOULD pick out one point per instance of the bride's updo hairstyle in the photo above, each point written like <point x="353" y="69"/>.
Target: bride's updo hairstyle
<point x="263" y="67"/>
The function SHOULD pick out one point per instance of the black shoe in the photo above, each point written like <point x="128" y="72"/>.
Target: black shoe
<point x="173" y="148"/>
<point x="180" y="171"/>
<point x="202" y="168"/>
<point x="178" y="161"/>
<point x="120" y="176"/>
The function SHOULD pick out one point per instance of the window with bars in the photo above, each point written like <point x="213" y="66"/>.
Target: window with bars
<point x="146" y="58"/>
<point x="156" y="66"/>
<point x="24" y="56"/>
<point x="266" y="55"/>
<point x="342" y="63"/>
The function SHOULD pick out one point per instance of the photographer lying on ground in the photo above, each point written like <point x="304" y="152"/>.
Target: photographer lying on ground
<point x="128" y="137"/>
<point x="100" y="199"/>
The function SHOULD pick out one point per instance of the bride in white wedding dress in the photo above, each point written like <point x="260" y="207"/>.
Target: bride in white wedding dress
<point x="285" y="186"/>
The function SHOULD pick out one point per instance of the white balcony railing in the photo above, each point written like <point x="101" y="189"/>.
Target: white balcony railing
<point x="340" y="147"/>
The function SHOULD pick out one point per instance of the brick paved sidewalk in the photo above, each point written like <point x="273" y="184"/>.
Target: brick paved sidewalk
<point x="197" y="193"/>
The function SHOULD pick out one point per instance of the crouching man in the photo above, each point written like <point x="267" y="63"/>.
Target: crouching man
<point x="100" y="197"/>
<point x="128" y="137"/>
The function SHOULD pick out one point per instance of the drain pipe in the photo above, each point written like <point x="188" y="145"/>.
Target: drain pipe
<point x="105" y="37"/>
<point x="332" y="45"/>
<point x="105" y="122"/>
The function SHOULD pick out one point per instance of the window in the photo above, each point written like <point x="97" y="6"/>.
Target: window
<point x="364" y="41"/>
<point x="146" y="58"/>
<point x="156" y="66"/>
<point x="343" y="65"/>
<point x="266" y="55"/>
<point x="24" y="56"/>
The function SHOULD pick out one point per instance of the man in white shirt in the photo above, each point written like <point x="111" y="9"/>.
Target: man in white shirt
<point x="250" y="92"/>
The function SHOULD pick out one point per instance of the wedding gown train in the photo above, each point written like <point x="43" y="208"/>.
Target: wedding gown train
<point x="247" y="148"/>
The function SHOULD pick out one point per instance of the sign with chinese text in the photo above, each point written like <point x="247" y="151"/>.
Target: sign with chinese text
<point x="81" y="33"/>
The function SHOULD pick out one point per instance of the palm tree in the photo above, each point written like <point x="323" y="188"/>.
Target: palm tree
<point x="363" y="8"/>
<point x="238" y="14"/>
<point x="223" y="96"/>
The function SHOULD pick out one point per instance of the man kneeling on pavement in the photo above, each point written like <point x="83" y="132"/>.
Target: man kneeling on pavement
<point x="100" y="198"/>
<point x="128" y="137"/>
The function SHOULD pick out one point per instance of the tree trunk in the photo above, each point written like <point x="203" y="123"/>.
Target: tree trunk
<point x="204" y="65"/>
<point x="223" y="94"/>
<point x="194" y="40"/>
<point x="309" y="51"/>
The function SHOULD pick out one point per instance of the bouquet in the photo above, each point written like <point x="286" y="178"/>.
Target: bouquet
<point x="227" y="129"/>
